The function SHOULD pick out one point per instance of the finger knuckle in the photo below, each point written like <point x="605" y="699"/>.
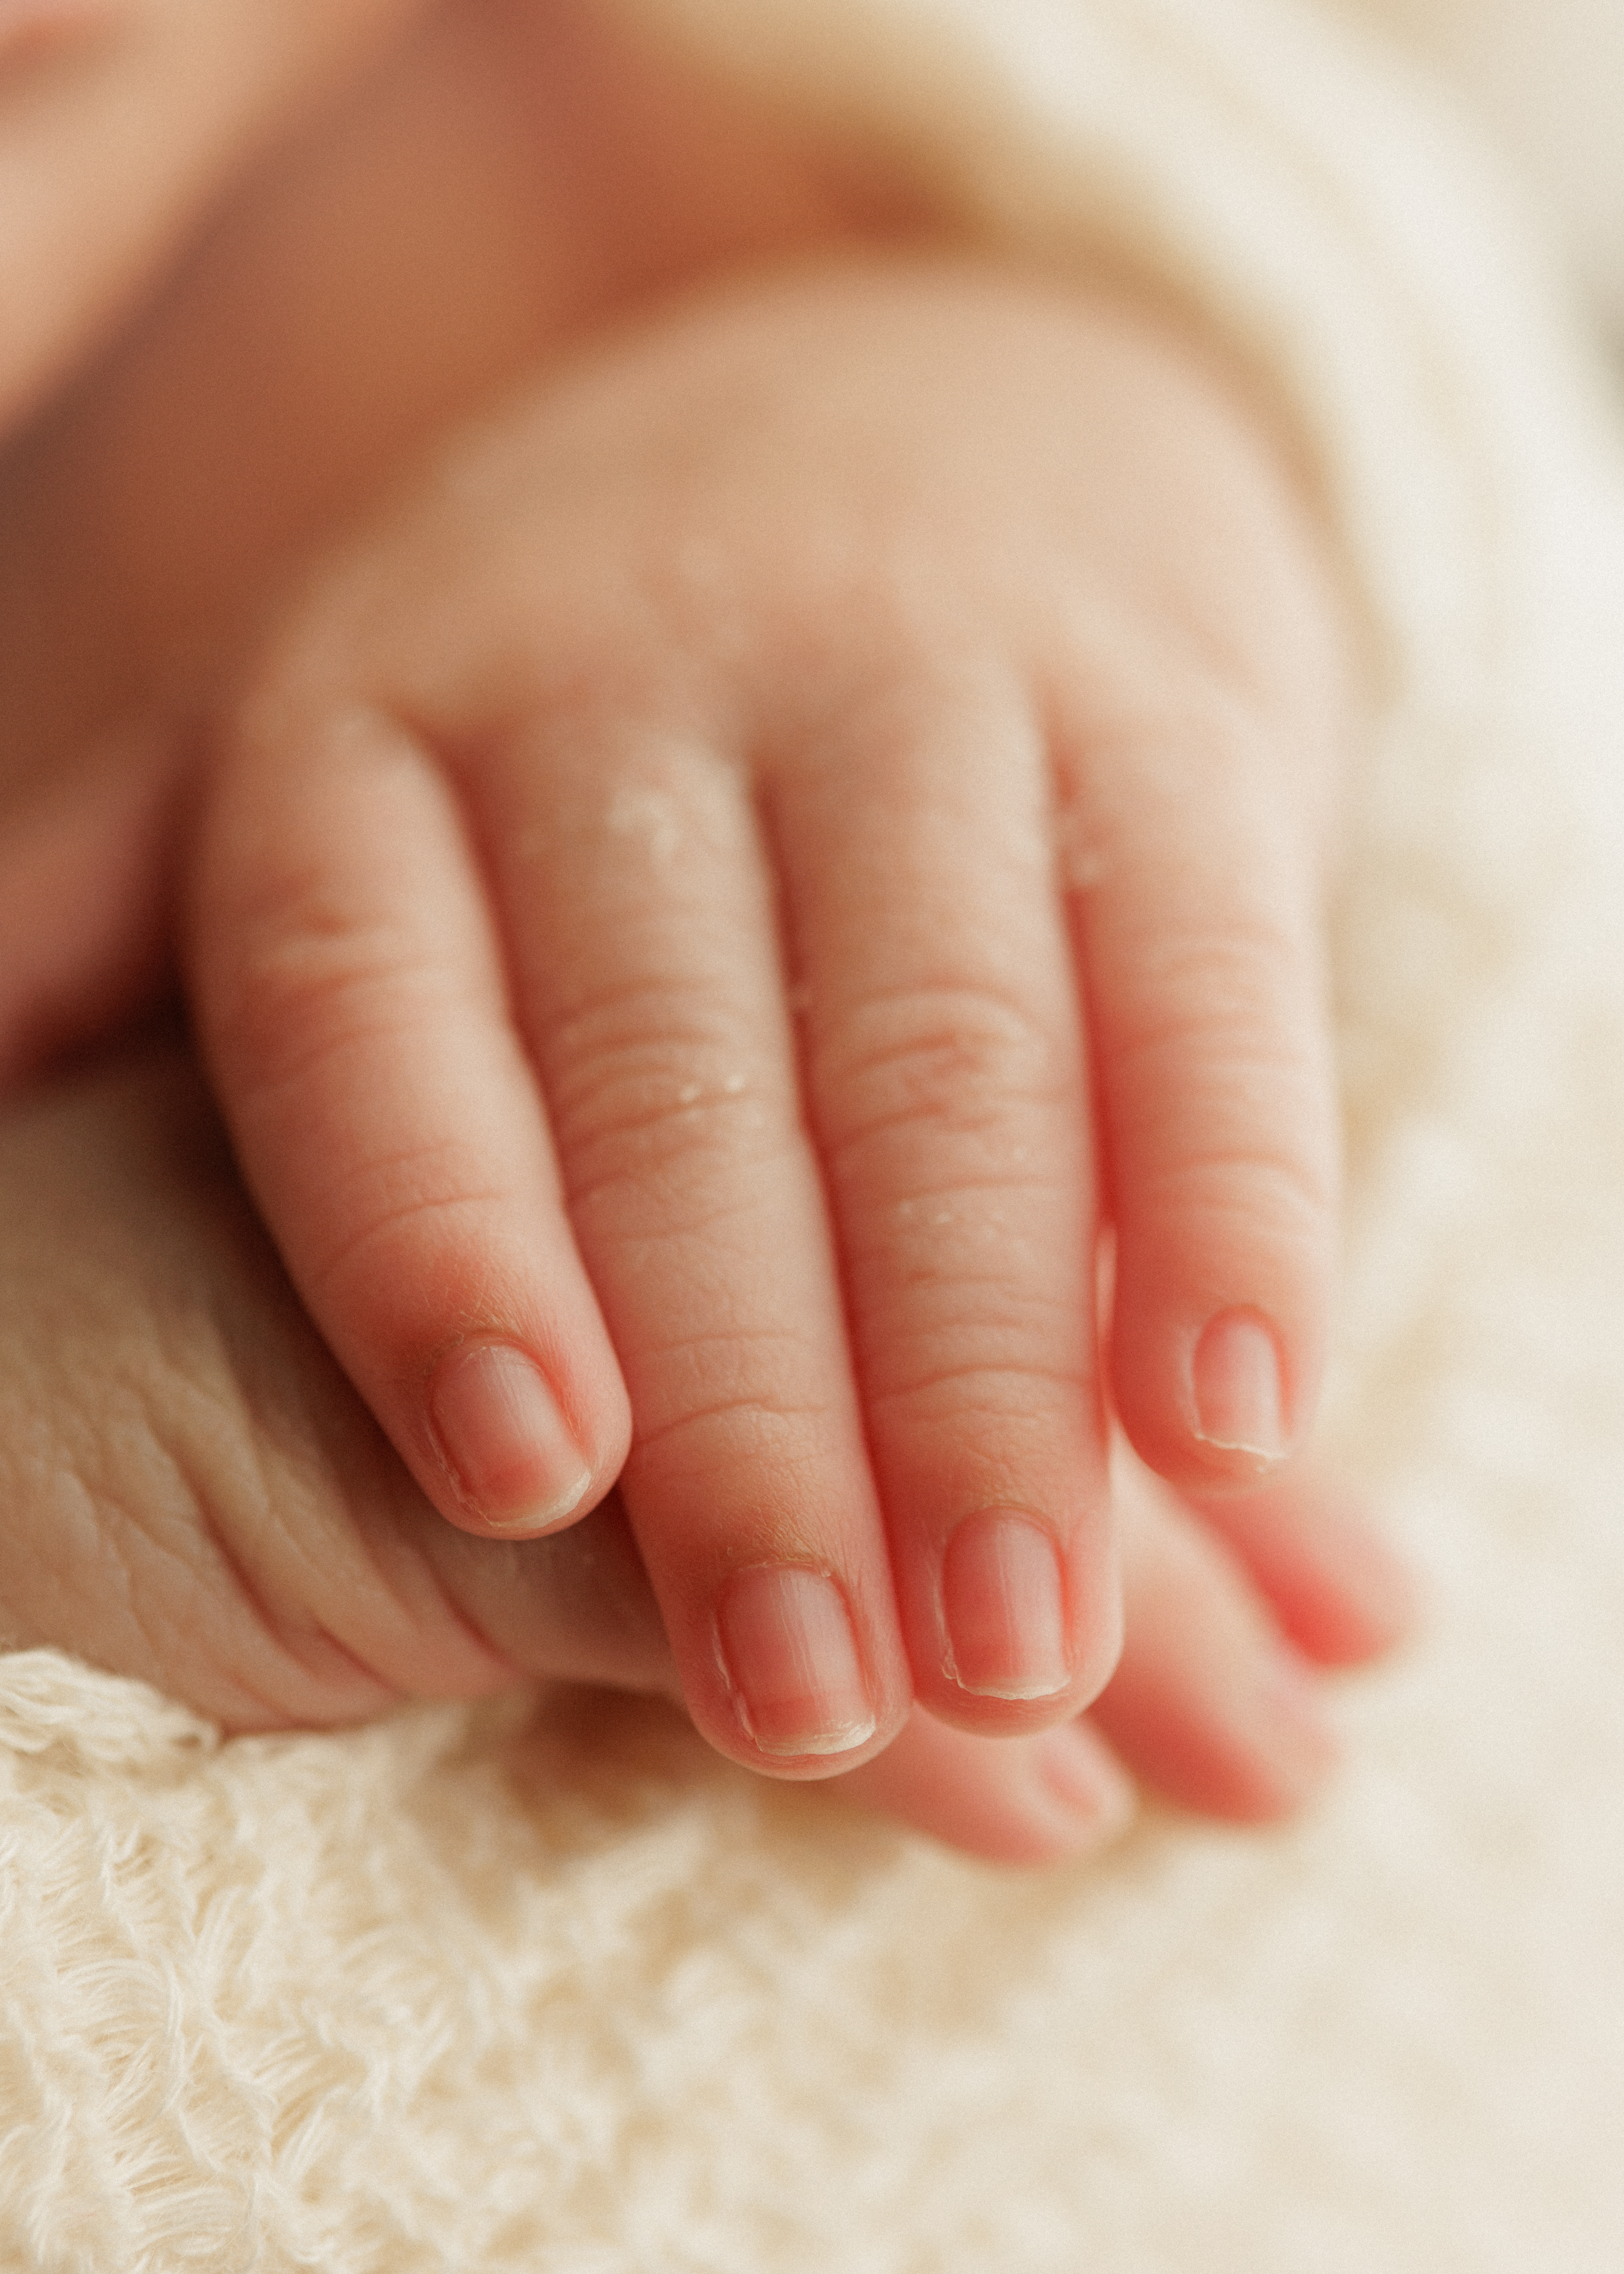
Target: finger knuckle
<point x="314" y="986"/>
<point x="959" y="1380"/>
<point x="1255" y="1196"/>
<point x="655" y="1087"/>
<point x="955" y="1060"/>
<point x="748" y="1420"/>
<point x="1242" y="971"/>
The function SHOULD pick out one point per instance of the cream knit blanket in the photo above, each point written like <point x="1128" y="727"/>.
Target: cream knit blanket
<point x="527" y="1987"/>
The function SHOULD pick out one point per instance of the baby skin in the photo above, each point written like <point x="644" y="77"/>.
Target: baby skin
<point x="711" y="902"/>
<point x="195" y="1495"/>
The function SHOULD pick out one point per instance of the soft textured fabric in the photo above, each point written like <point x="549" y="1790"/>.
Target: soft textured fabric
<point x="531" y="1987"/>
<point x="1546" y="77"/>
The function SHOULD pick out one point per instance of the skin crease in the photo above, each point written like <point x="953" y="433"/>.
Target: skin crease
<point x="504" y="178"/>
<point x="166" y="1412"/>
<point x="590" y="181"/>
<point x="532" y="626"/>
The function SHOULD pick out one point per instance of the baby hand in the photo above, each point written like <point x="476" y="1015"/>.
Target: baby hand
<point x="194" y="1496"/>
<point x="704" y="913"/>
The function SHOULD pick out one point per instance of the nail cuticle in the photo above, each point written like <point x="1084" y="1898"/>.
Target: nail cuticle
<point x="1237" y="1388"/>
<point x="1001" y="1600"/>
<point x="786" y="1645"/>
<point x="504" y="1440"/>
<point x="823" y="1746"/>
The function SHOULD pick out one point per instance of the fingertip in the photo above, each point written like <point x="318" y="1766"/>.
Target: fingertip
<point x="1238" y="1394"/>
<point x="789" y="1645"/>
<point x="1339" y="1588"/>
<point x="515" y="1461"/>
<point x="1357" y="1604"/>
<point x="1004" y="1608"/>
<point x="1028" y="1628"/>
<point x="1245" y="1738"/>
<point x="1057" y="1796"/>
<point x="1080" y="1793"/>
<point x="1285" y="1748"/>
<point x="1218" y="1400"/>
<point x="1381" y="1602"/>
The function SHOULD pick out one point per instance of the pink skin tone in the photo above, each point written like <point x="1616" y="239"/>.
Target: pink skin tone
<point x="630" y="951"/>
<point x="38" y="28"/>
<point x="677" y="988"/>
<point x="169" y="1414"/>
<point x="119" y="121"/>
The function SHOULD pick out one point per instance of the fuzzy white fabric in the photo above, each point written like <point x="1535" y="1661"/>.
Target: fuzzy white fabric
<point x="516" y="1988"/>
<point x="1546" y="77"/>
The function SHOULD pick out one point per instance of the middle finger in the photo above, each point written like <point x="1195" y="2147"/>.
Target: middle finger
<point x="946" y="1087"/>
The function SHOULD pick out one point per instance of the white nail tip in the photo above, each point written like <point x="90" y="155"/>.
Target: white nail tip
<point x="844" y="1740"/>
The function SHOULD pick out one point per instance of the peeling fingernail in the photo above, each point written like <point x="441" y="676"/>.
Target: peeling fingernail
<point x="791" y="1654"/>
<point x="1003" y="1606"/>
<point x="509" y="1447"/>
<point x="1239" y="1405"/>
<point x="1079" y="1779"/>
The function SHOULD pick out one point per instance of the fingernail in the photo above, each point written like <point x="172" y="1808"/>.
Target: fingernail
<point x="1003" y="1606"/>
<point x="1080" y="1788"/>
<point x="792" y="1657"/>
<point x="509" y="1447"/>
<point x="1237" y="1394"/>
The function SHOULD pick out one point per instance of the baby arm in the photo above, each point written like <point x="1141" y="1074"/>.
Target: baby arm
<point x="706" y="910"/>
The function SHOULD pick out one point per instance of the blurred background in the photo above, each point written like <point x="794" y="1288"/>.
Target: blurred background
<point x="1548" y="79"/>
